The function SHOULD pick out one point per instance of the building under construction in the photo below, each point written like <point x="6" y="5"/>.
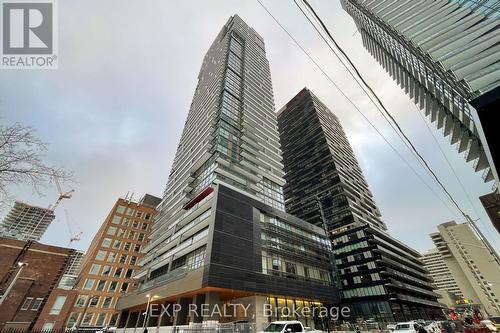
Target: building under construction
<point x="26" y="222"/>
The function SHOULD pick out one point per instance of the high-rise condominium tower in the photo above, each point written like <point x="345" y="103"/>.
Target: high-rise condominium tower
<point x="320" y="164"/>
<point x="444" y="54"/>
<point x="221" y="233"/>
<point x="26" y="222"/>
<point x="443" y="279"/>
<point x="471" y="264"/>
<point x="381" y="277"/>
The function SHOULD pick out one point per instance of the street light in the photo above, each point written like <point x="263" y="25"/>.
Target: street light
<point x="21" y="265"/>
<point x="146" y="315"/>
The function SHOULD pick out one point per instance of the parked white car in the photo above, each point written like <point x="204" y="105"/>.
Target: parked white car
<point x="291" y="326"/>
<point x="391" y="326"/>
<point x="489" y="324"/>
<point x="406" y="327"/>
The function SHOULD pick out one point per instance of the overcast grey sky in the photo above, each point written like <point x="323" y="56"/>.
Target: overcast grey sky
<point x="114" y="110"/>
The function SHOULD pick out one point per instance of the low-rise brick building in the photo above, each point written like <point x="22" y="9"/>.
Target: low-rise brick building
<point x="29" y="271"/>
<point x="106" y="271"/>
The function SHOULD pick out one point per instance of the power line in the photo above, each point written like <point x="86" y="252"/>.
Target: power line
<point x="433" y="174"/>
<point x="355" y="106"/>
<point x="427" y="166"/>
<point x="364" y="90"/>
<point x="469" y="199"/>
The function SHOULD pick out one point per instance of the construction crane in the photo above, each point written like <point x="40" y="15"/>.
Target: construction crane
<point x="52" y="207"/>
<point x="62" y="195"/>
<point x="73" y="237"/>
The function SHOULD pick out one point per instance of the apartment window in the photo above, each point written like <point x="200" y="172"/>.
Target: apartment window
<point x="107" y="302"/>
<point x="126" y="222"/>
<point x="106" y="242"/>
<point x="111" y="257"/>
<point x="116" y="219"/>
<point x="144" y="226"/>
<point x="117" y="244"/>
<point x="133" y="260"/>
<point x="100" y="319"/>
<point x="112" y="286"/>
<point x="138" y="214"/>
<point x="290" y="268"/>
<point x="118" y="272"/>
<point x="58" y="305"/>
<point x="35" y="306"/>
<point x="131" y="235"/>
<point x="112" y="321"/>
<point x="93" y="302"/>
<point x="73" y="318"/>
<point x="48" y="326"/>
<point x="123" y="258"/>
<point x="141" y="237"/>
<point x="27" y="303"/>
<point x="120" y="209"/>
<point x="106" y="270"/>
<point x="135" y="224"/>
<point x="129" y="273"/>
<point x="196" y="258"/>
<point x="111" y="231"/>
<point x="276" y="264"/>
<point x="121" y="233"/>
<point x="80" y="301"/>
<point x="148" y="216"/>
<point x="94" y="269"/>
<point x="130" y="211"/>
<point x="100" y="255"/>
<point x="127" y="247"/>
<point x="89" y="283"/>
<point x="124" y="287"/>
<point x="137" y="248"/>
<point x="100" y="285"/>
<point x="87" y="319"/>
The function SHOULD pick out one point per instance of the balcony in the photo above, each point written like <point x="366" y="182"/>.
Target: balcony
<point x="176" y="274"/>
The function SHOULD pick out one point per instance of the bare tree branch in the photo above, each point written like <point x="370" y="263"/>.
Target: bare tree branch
<point x="21" y="161"/>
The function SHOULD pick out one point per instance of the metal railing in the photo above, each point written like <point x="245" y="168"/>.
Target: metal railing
<point x="171" y="276"/>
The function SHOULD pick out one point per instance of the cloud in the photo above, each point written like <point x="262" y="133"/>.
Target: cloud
<point x="115" y="108"/>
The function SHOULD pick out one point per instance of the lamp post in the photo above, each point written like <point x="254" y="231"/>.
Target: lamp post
<point x="21" y="265"/>
<point x="146" y="315"/>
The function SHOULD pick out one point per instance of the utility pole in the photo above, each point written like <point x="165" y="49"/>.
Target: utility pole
<point x="332" y="258"/>
<point x="146" y="315"/>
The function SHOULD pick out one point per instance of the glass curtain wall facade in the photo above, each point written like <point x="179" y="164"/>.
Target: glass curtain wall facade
<point x="206" y="244"/>
<point x="320" y="164"/>
<point x="443" y="54"/>
<point x="230" y="137"/>
<point x="379" y="277"/>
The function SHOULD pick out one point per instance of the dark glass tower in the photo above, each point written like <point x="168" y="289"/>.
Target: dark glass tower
<point x="380" y="277"/>
<point x="320" y="163"/>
